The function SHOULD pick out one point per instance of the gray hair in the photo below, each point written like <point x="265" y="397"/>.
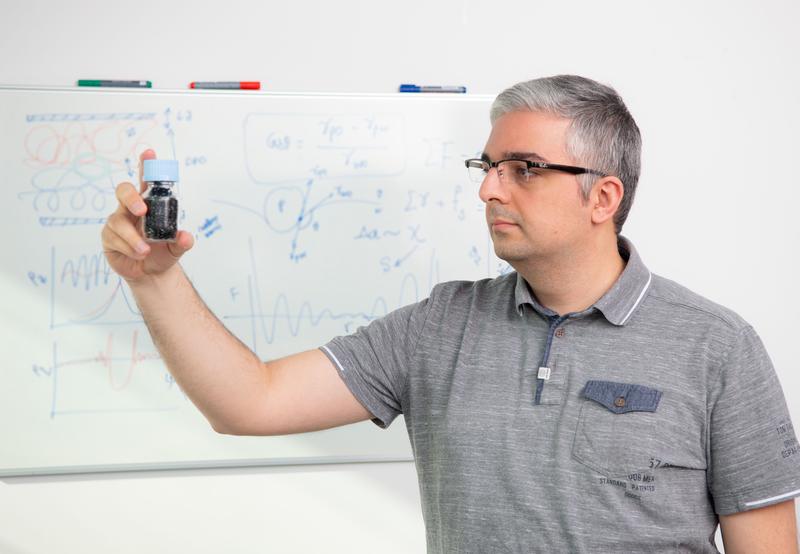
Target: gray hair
<point x="602" y="134"/>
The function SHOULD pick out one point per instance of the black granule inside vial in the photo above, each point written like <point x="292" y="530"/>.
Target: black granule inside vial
<point x="161" y="219"/>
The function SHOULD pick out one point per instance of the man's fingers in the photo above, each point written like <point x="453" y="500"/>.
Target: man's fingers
<point x="183" y="242"/>
<point x="126" y="231"/>
<point x="112" y="242"/>
<point x="148" y="154"/>
<point x="131" y="199"/>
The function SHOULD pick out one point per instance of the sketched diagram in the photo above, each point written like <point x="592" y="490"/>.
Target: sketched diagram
<point x="70" y="166"/>
<point x="76" y="159"/>
<point x="304" y="159"/>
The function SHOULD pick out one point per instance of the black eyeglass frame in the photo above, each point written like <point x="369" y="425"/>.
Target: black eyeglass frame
<point x="530" y="164"/>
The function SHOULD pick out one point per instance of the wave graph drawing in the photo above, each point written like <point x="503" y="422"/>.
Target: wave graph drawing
<point x="265" y="325"/>
<point x="111" y="373"/>
<point x="76" y="160"/>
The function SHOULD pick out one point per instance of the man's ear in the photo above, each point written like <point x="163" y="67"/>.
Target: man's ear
<point x="605" y="198"/>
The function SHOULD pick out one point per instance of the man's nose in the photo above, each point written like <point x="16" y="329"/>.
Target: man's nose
<point x="492" y="188"/>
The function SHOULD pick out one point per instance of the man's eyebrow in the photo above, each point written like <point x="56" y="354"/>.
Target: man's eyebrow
<point x="533" y="156"/>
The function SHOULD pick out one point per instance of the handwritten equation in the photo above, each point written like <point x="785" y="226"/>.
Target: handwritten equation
<point x="281" y="147"/>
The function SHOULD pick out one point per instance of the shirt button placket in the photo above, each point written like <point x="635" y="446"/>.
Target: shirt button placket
<point x="544" y="370"/>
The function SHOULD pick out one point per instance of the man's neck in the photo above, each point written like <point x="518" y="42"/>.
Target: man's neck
<point x="575" y="279"/>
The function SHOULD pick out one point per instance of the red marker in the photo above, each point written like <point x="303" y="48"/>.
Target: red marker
<point x="236" y="85"/>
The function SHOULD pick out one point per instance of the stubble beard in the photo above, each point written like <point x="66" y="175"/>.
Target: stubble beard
<point x="510" y="250"/>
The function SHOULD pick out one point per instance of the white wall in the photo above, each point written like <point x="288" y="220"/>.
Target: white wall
<point x="700" y="62"/>
<point x="293" y="510"/>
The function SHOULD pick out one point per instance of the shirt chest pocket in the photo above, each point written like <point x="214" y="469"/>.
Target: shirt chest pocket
<point x="617" y="432"/>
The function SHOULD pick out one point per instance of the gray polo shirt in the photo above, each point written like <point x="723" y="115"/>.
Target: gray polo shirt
<point x="626" y="427"/>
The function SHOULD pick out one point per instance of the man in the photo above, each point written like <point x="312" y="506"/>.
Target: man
<point x="579" y="404"/>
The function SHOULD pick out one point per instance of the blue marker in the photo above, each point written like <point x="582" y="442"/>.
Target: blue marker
<point x="430" y="88"/>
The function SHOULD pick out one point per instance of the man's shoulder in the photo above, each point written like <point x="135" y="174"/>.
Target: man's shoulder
<point x="680" y="301"/>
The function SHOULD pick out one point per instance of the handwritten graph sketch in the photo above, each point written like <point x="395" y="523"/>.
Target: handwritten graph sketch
<point x="312" y="216"/>
<point x="76" y="159"/>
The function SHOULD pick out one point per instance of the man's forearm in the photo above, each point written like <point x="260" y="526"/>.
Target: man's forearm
<point x="223" y="377"/>
<point x="769" y="529"/>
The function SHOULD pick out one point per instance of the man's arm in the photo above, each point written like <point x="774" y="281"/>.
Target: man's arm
<point x="768" y="530"/>
<point x="237" y="392"/>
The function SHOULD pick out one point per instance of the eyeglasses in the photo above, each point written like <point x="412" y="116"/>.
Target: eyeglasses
<point x="519" y="172"/>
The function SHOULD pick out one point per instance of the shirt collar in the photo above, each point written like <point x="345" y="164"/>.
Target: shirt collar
<point x="620" y="301"/>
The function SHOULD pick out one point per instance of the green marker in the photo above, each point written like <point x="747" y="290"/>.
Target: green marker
<point x="109" y="83"/>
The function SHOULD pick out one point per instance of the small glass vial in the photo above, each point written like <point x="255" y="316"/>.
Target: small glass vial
<point x="160" y="223"/>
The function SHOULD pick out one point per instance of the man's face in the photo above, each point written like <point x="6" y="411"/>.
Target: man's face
<point x="546" y="215"/>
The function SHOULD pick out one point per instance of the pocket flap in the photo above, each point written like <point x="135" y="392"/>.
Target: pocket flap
<point x="622" y="397"/>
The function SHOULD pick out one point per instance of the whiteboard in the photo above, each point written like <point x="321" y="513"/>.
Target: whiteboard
<point x="312" y="214"/>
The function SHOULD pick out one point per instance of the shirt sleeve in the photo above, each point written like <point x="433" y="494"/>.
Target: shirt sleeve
<point x="374" y="361"/>
<point x="754" y="454"/>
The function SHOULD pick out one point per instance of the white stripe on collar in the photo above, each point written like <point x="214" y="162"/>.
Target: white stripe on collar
<point x="641" y="295"/>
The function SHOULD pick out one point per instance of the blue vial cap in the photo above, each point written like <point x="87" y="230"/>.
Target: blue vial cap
<point x="160" y="170"/>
